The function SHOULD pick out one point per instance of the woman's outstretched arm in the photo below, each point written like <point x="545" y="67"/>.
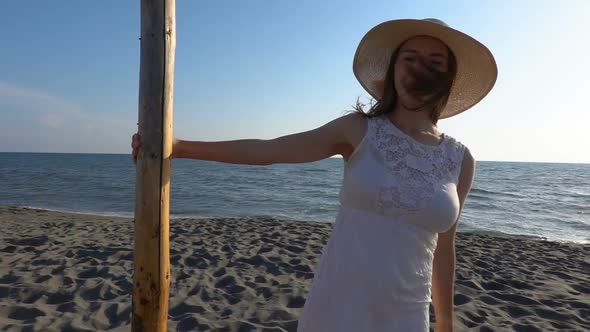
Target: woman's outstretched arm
<point x="320" y="143"/>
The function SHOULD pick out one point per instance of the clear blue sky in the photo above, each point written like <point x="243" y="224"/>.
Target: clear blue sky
<point x="69" y="72"/>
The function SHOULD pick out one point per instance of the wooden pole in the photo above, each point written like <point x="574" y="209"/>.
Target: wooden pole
<point x="151" y="274"/>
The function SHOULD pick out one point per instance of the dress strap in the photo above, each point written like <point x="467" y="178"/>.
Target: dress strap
<point x="459" y="155"/>
<point x="455" y="150"/>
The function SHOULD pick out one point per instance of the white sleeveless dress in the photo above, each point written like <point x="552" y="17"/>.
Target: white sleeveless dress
<point x="375" y="272"/>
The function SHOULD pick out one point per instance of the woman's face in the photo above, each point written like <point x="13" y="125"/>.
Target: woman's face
<point x="419" y="61"/>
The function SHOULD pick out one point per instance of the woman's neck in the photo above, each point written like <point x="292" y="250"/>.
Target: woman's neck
<point x="409" y="119"/>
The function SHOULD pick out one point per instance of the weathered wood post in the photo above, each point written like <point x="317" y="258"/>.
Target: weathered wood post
<point x="151" y="273"/>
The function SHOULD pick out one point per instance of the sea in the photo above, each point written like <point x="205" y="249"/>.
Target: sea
<point x="546" y="200"/>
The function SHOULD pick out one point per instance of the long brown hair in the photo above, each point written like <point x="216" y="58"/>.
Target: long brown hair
<point x="440" y="82"/>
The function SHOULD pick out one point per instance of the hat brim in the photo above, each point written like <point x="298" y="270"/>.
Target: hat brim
<point x="476" y="67"/>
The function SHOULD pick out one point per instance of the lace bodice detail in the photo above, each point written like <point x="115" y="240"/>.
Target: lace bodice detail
<point x="421" y="167"/>
<point x="393" y="174"/>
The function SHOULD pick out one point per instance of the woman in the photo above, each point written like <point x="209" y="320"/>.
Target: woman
<point x="405" y="182"/>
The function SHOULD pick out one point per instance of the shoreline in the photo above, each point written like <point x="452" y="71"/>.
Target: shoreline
<point x="129" y="215"/>
<point x="73" y="271"/>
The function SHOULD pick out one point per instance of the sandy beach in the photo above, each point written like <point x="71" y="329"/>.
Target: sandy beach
<point x="73" y="272"/>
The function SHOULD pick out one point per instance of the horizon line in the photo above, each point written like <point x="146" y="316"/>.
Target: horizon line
<point x="333" y="157"/>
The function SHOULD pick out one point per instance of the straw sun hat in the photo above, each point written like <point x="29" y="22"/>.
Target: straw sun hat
<point x="476" y="67"/>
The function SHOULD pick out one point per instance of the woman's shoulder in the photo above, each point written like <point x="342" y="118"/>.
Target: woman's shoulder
<point x="456" y="146"/>
<point x="354" y="118"/>
<point x="354" y="123"/>
<point x="459" y="157"/>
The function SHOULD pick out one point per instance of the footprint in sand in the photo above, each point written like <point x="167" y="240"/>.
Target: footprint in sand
<point x="516" y="311"/>
<point x="42" y="279"/>
<point x="4" y="292"/>
<point x="23" y="313"/>
<point x="60" y="297"/>
<point x="219" y="272"/>
<point x="118" y="318"/>
<point x="197" y="262"/>
<point x="9" y="279"/>
<point x="265" y="291"/>
<point x="460" y="299"/>
<point x="67" y="307"/>
<point x="32" y="241"/>
<point x="183" y="309"/>
<point x="191" y="324"/>
<point x="296" y="302"/>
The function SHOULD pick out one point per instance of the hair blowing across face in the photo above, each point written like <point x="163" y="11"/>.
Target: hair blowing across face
<point x="432" y="82"/>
